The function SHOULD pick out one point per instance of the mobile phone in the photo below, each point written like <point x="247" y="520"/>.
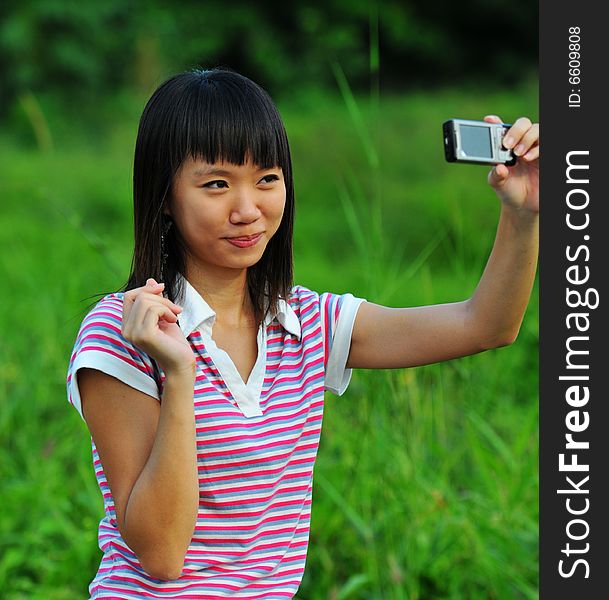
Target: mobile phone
<point x="476" y="142"/>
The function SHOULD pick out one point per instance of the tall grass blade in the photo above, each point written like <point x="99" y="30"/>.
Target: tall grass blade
<point x="355" y="114"/>
<point x="358" y="523"/>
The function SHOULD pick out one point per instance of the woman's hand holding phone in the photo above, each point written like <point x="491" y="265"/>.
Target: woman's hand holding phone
<point x="518" y="186"/>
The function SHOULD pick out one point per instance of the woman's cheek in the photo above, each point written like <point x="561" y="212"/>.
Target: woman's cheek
<point x="279" y="209"/>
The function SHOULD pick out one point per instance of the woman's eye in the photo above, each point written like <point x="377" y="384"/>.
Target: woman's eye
<point x="215" y="185"/>
<point x="270" y="178"/>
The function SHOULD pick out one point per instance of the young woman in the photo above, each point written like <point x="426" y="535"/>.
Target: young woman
<point x="204" y="392"/>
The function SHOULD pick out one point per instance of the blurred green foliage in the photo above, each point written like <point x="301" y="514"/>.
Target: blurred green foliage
<point x="76" y="51"/>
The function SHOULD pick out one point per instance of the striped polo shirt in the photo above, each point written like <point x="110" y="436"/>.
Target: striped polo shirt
<point x="256" y="444"/>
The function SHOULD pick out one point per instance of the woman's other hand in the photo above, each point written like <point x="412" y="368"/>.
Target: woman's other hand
<point x="150" y="321"/>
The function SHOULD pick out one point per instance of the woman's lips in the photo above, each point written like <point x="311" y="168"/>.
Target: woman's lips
<point x="245" y="242"/>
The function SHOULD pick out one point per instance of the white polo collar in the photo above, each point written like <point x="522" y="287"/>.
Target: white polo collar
<point x="197" y="313"/>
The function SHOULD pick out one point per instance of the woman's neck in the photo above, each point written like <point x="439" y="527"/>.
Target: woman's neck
<point x="226" y="293"/>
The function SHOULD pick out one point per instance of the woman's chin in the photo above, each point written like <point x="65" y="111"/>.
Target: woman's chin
<point x="244" y="262"/>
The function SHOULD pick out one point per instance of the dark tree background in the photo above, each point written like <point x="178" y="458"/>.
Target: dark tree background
<point x="76" y="51"/>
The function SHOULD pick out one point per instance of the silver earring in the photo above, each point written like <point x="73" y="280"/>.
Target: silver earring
<point x="165" y="230"/>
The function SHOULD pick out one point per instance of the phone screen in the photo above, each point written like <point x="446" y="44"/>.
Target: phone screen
<point x="476" y="141"/>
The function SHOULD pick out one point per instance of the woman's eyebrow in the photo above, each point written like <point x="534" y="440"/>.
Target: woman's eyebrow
<point x="203" y="172"/>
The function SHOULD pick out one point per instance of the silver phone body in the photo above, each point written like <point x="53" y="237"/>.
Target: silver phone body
<point x="476" y="142"/>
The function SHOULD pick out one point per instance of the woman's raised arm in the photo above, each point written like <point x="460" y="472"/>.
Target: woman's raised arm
<point x="386" y="337"/>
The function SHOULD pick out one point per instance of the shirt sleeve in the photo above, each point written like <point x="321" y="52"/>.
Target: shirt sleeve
<point x="337" y="319"/>
<point x="100" y="345"/>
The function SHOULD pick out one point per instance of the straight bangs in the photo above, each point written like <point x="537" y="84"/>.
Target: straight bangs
<point x="223" y="119"/>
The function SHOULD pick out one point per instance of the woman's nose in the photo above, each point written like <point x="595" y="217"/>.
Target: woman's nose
<point x="245" y="207"/>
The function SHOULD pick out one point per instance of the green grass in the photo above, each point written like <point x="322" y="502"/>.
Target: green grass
<point x="426" y="482"/>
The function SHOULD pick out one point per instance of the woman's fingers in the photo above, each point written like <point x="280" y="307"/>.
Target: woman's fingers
<point x="151" y="297"/>
<point x="498" y="175"/>
<point x="528" y="140"/>
<point x="155" y="333"/>
<point x="151" y="286"/>
<point x="144" y="321"/>
<point x="150" y="322"/>
<point x="516" y="132"/>
<point x="522" y="136"/>
<point x="131" y="296"/>
<point x="532" y="154"/>
<point x="151" y="289"/>
<point x="135" y="312"/>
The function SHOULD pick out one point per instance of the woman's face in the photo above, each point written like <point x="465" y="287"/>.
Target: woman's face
<point x="212" y="203"/>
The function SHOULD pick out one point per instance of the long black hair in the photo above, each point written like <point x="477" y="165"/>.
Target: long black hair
<point x="211" y="115"/>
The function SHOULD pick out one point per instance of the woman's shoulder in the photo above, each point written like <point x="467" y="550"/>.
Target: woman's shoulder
<point x="111" y="306"/>
<point x="301" y="297"/>
<point x="328" y="305"/>
<point x="300" y="291"/>
<point x="106" y="314"/>
<point x="101" y="345"/>
<point x="302" y="294"/>
<point x="101" y="332"/>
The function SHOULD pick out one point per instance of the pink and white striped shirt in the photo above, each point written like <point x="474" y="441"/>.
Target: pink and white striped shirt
<point x="256" y="444"/>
